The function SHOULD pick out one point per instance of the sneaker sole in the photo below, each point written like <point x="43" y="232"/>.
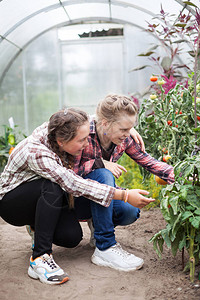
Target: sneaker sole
<point x="34" y="275"/>
<point x="100" y="262"/>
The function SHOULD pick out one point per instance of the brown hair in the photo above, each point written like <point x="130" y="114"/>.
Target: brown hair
<point x="112" y="107"/>
<point x="64" y="125"/>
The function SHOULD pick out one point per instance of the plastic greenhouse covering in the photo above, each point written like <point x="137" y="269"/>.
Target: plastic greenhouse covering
<point x="45" y="65"/>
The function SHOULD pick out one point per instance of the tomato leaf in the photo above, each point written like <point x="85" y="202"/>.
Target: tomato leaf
<point x="186" y="215"/>
<point x="189" y="3"/>
<point x="138" y="68"/>
<point x="165" y="235"/>
<point x="174" y="203"/>
<point x="197" y="211"/>
<point x="195" y="221"/>
<point x="196" y="129"/>
<point x="193" y="200"/>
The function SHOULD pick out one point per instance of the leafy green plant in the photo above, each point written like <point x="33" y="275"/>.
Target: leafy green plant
<point x="180" y="206"/>
<point x="7" y="143"/>
<point x="169" y="123"/>
<point x="166" y="124"/>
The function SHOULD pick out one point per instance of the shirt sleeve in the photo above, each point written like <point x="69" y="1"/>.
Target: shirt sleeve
<point x="151" y="164"/>
<point x="44" y="164"/>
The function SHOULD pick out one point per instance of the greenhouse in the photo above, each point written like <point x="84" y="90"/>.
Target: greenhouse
<point x="66" y="56"/>
<point x="46" y="63"/>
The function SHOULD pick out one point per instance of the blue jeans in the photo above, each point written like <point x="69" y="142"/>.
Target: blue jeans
<point x="106" y="218"/>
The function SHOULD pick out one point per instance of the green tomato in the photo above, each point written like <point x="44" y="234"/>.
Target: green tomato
<point x="11" y="139"/>
<point x="152" y="97"/>
<point x="150" y="118"/>
<point x="197" y="100"/>
<point x="161" y="82"/>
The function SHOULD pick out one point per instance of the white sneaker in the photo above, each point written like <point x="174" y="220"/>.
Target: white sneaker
<point x="46" y="270"/>
<point x="117" y="258"/>
<point x="92" y="239"/>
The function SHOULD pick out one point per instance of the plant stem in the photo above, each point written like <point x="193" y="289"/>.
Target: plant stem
<point x="183" y="262"/>
<point x="191" y="253"/>
<point x="195" y="82"/>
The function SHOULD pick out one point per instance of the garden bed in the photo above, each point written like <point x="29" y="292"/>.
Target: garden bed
<point x="158" y="279"/>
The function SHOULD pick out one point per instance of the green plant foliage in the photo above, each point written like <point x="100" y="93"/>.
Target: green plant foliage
<point x="180" y="206"/>
<point x="133" y="179"/>
<point x="167" y="124"/>
<point x="7" y="142"/>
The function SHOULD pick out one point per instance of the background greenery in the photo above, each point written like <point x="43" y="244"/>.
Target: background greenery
<point x="134" y="179"/>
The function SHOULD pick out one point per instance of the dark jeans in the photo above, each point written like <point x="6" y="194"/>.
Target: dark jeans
<point x="43" y="205"/>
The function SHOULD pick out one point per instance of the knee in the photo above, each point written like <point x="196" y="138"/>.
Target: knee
<point x="52" y="193"/>
<point x="68" y="239"/>
<point x="51" y="187"/>
<point x="132" y="216"/>
<point x="103" y="176"/>
<point x="128" y="215"/>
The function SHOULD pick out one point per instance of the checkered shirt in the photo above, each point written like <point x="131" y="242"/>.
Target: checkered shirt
<point x="33" y="158"/>
<point x="84" y="163"/>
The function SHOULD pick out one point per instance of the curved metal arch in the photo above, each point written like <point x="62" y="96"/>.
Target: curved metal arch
<point x="188" y="7"/>
<point x="74" y="2"/>
<point x="76" y="21"/>
<point x="67" y="23"/>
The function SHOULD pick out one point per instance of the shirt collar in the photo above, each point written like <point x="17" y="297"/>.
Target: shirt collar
<point x="93" y="127"/>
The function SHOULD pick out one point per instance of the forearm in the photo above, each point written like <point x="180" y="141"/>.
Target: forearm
<point x="118" y="194"/>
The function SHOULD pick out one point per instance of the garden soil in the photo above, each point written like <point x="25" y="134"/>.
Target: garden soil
<point x="158" y="279"/>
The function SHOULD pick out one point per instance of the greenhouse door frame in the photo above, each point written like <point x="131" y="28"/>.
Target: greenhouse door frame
<point x="109" y="39"/>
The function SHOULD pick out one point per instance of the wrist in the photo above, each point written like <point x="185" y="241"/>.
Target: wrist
<point x="126" y="194"/>
<point x="123" y="195"/>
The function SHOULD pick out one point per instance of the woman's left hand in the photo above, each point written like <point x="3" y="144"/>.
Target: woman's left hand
<point x="138" y="139"/>
<point x="115" y="168"/>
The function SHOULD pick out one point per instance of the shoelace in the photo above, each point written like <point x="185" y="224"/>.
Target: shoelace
<point x="117" y="248"/>
<point x="49" y="260"/>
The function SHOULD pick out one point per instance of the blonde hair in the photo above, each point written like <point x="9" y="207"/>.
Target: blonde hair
<point x="113" y="106"/>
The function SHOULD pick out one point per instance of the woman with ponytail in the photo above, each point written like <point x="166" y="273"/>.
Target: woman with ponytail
<point x="38" y="186"/>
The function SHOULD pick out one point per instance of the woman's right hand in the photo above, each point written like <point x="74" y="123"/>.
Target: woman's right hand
<point x="136" y="198"/>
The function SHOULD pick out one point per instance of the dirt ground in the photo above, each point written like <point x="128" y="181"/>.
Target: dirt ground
<point x="158" y="279"/>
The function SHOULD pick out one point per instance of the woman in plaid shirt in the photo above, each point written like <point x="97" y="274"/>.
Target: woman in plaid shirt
<point x="109" y="139"/>
<point x="37" y="188"/>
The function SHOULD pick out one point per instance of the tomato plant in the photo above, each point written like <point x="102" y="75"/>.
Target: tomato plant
<point x="180" y="206"/>
<point x="167" y="125"/>
<point x="161" y="127"/>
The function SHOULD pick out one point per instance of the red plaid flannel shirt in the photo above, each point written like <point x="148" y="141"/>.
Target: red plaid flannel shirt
<point x="84" y="162"/>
